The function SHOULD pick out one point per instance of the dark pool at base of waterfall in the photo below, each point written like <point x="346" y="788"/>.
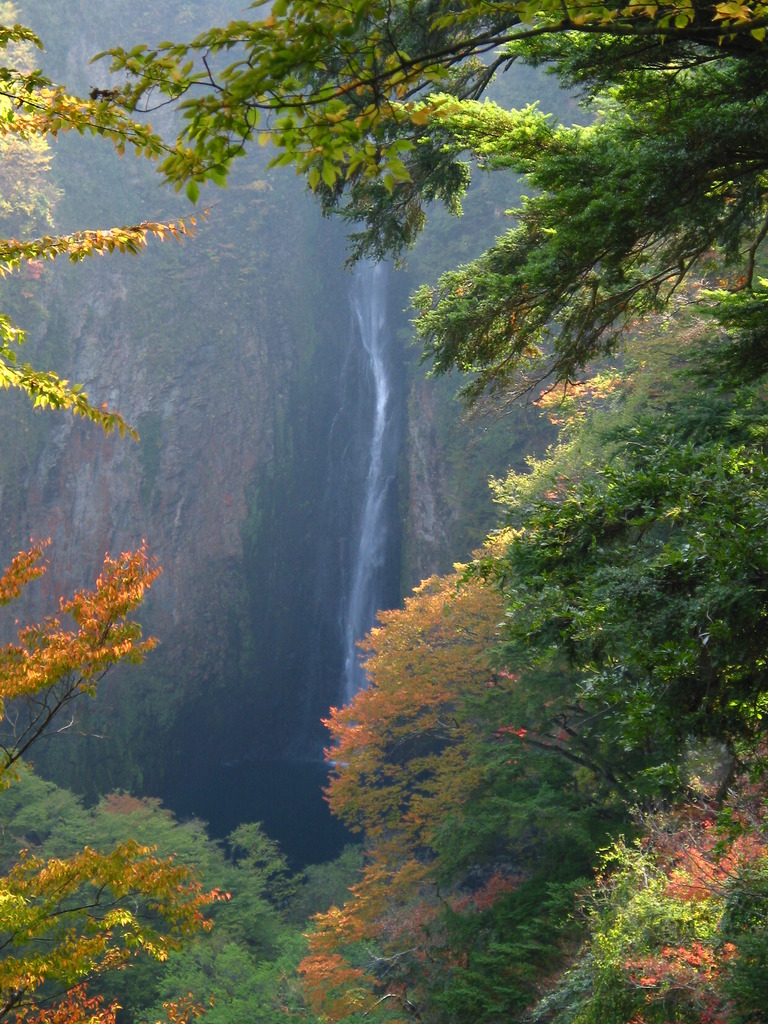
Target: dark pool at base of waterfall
<point x="285" y="796"/>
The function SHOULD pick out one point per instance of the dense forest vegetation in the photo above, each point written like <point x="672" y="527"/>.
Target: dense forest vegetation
<point x="557" y="770"/>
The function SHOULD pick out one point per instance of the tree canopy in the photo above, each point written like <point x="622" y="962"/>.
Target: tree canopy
<point x="460" y="899"/>
<point x="65" y="920"/>
<point x="379" y="105"/>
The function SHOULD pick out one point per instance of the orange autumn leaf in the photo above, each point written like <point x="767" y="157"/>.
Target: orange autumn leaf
<point x="64" y="920"/>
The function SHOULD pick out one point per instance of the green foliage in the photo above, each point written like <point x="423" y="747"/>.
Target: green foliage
<point x="243" y="970"/>
<point x="260" y="856"/>
<point x="233" y="986"/>
<point x="344" y="91"/>
<point x="664" y="532"/>
<point x="379" y="108"/>
<point x="585" y="262"/>
<point x="321" y="886"/>
<point x="676" y="923"/>
<point x="67" y="919"/>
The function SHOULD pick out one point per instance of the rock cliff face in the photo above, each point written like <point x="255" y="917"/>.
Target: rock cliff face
<point x="432" y="518"/>
<point x="227" y="354"/>
<point x="224" y="354"/>
<point x="183" y="485"/>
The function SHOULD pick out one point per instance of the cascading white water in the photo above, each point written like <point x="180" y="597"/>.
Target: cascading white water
<point x="368" y="302"/>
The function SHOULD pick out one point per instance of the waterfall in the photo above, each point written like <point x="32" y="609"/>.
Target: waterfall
<point x="365" y="583"/>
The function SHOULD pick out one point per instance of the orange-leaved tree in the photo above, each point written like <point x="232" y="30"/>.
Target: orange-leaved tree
<point x="66" y="920"/>
<point x="407" y="770"/>
<point x="472" y="846"/>
<point x="677" y="920"/>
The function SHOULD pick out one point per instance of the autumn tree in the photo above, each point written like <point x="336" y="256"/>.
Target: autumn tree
<point x="396" y="749"/>
<point x="676" y="925"/>
<point x="66" y="920"/>
<point x="457" y="900"/>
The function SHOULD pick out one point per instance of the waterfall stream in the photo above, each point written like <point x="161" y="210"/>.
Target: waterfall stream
<point x="327" y="559"/>
<point x="364" y="593"/>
